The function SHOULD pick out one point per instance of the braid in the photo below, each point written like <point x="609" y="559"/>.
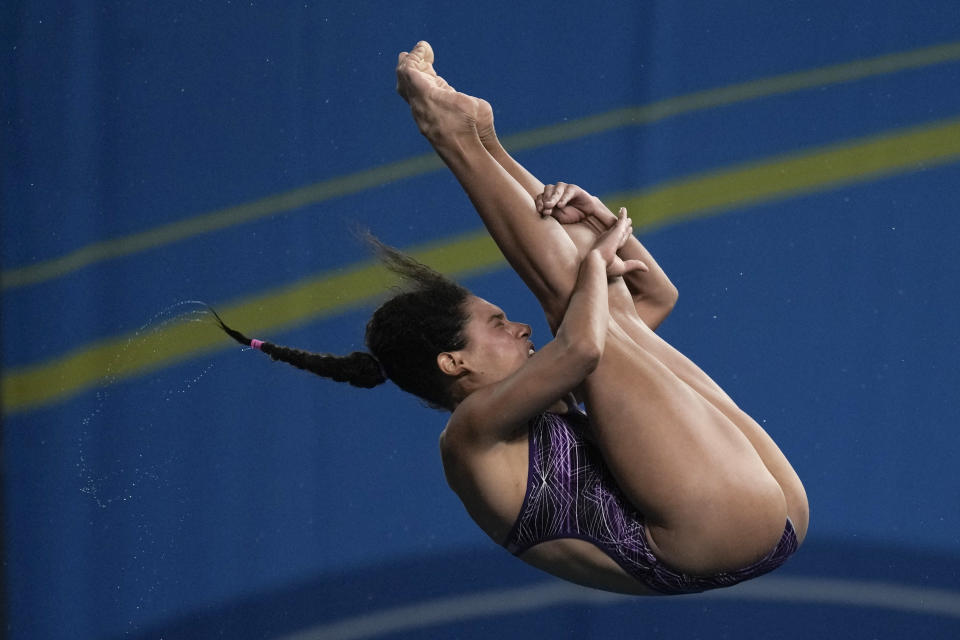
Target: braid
<point x="359" y="369"/>
<point x="425" y="317"/>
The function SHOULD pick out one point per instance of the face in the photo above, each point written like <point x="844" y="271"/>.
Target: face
<point x="496" y="347"/>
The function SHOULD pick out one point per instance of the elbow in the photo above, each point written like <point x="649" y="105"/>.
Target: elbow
<point x="665" y="294"/>
<point x="654" y="311"/>
<point x="662" y="296"/>
<point x="665" y="299"/>
<point x="590" y="357"/>
<point x="584" y="354"/>
<point x="670" y="297"/>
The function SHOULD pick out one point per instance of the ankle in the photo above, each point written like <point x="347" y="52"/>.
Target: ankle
<point x="449" y="136"/>
<point x="449" y="143"/>
<point x="491" y="142"/>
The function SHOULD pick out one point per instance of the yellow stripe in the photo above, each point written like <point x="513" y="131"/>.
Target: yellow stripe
<point x="333" y="292"/>
<point x="732" y="94"/>
<point x="216" y="220"/>
<point x="418" y="165"/>
<point x="315" y="297"/>
<point x="795" y="174"/>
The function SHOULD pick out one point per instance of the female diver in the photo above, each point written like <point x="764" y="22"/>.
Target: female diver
<point x="664" y="485"/>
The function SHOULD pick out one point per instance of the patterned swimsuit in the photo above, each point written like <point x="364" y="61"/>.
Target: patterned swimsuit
<point x="571" y="494"/>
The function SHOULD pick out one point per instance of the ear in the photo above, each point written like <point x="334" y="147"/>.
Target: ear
<point x="451" y="364"/>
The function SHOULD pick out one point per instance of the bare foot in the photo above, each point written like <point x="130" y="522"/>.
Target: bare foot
<point x="488" y="135"/>
<point x="420" y="58"/>
<point x="438" y="108"/>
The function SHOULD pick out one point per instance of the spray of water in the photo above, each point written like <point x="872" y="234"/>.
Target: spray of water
<point x="95" y="480"/>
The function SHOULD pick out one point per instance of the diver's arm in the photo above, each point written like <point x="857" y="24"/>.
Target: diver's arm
<point x="654" y="295"/>
<point x="491" y="414"/>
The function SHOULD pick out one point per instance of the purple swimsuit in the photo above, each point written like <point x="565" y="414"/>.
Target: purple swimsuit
<point x="571" y="494"/>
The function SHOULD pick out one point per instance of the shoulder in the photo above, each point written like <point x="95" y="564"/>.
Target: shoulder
<point x="471" y="446"/>
<point x="477" y="424"/>
<point x="487" y="474"/>
<point x="459" y="442"/>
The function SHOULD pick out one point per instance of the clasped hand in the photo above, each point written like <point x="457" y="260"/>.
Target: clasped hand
<point x="570" y="204"/>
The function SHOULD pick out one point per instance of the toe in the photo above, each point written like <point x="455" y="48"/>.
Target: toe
<point x="425" y="51"/>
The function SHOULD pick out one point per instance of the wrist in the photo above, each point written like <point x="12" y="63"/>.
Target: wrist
<point x="595" y="259"/>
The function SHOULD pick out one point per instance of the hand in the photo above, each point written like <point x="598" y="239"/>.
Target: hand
<point x="570" y="204"/>
<point x="610" y="241"/>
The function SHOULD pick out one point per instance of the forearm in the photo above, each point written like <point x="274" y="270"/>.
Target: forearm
<point x="585" y="323"/>
<point x="651" y="286"/>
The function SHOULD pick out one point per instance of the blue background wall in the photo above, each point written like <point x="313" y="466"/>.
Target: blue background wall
<point x="157" y="481"/>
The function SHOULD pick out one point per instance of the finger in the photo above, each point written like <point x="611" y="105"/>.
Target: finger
<point x="567" y="215"/>
<point x="635" y="265"/>
<point x="569" y="192"/>
<point x="625" y="230"/>
<point x="550" y="197"/>
<point x="546" y="206"/>
<point x="539" y="202"/>
<point x="547" y="190"/>
<point x="558" y="193"/>
<point x="560" y="187"/>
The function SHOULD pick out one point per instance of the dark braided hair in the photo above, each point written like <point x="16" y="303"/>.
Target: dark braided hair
<point x="405" y="335"/>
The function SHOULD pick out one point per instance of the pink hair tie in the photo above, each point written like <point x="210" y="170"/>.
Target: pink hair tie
<point x="256" y="344"/>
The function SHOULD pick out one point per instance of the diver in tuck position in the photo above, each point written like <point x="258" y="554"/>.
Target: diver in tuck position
<point x="664" y="485"/>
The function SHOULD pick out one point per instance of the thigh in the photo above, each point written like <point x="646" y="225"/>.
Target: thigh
<point x="776" y="462"/>
<point x="710" y="502"/>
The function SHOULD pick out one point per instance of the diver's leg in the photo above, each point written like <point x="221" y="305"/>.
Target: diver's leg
<point x="774" y="459"/>
<point x="623" y="310"/>
<point x="709" y="501"/>
<point x="448" y="120"/>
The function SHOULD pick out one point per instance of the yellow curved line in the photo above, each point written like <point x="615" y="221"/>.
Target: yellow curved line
<point x="317" y="296"/>
<point x="336" y="291"/>
<point x="789" y="175"/>
<point x="318" y="192"/>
